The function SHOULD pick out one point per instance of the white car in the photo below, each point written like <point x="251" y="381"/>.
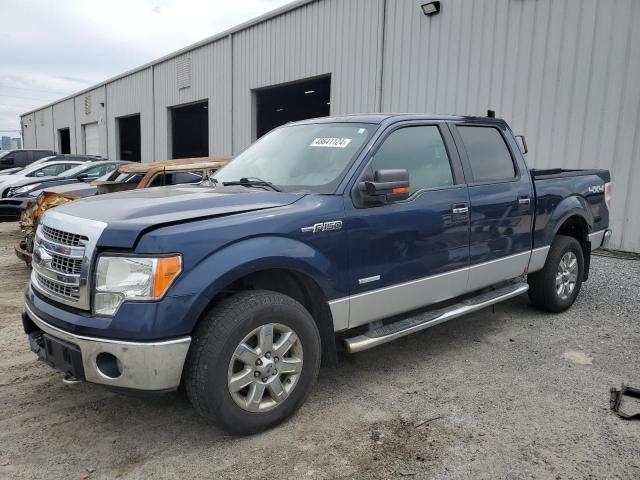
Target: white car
<point x="43" y="170"/>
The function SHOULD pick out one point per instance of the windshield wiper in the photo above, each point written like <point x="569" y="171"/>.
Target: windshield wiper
<point x="252" y="182"/>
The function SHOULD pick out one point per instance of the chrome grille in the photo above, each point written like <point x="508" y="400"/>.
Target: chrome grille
<point x="66" y="265"/>
<point x="63" y="248"/>
<point x="63" y="238"/>
<point x="72" y="293"/>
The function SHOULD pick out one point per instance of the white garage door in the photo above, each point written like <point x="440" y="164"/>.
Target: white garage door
<point x="91" y="143"/>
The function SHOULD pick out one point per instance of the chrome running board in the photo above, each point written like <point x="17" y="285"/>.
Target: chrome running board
<point x="405" y="327"/>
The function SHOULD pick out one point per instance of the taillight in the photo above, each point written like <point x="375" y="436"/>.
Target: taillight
<point x="607" y="194"/>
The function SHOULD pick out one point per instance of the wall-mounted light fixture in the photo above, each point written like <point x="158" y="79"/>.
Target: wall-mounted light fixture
<point x="431" y="8"/>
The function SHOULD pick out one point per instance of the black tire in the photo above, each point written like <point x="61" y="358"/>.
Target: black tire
<point x="542" y="285"/>
<point x="213" y="345"/>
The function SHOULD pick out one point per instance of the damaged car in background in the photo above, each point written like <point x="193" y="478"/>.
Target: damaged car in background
<point x="127" y="176"/>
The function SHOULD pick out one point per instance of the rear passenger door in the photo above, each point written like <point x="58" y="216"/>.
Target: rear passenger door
<point x="501" y="196"/>
<point x="411" y="253"/>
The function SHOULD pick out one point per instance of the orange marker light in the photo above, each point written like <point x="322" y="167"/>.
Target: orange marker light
<point x="400" y="190"/>
<point x="167" y="269"/>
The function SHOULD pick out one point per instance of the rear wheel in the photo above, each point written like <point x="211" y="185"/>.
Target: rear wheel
<point x="558" y="284"/>
<point x="253" y="361"/>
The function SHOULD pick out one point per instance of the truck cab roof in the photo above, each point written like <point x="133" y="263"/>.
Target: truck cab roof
<point x="383" y="118"/>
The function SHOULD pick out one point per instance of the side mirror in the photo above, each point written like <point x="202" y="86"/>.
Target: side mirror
<point x="39" y="174"/>
<point x="522" y="143"/>
<point x="387" y="186"/>
<point x="83" y="177"/>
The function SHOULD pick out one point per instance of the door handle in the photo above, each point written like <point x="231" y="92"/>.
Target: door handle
<point x="460" y="211"/>
<point x="524" y="202"/>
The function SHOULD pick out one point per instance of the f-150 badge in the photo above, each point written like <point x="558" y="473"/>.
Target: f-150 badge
<point x="323" y="227"/>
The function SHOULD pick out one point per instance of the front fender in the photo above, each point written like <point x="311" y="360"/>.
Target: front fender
<point x="247" y="256"/>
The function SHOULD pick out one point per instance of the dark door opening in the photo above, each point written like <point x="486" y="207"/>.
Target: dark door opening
<point x="289" y="103"/>
<point x="64" y="140"/>
<point x="190" y="130"/>
<point x="129" y="134"/>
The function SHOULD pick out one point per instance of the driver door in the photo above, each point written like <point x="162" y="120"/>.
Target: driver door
<point x="411" y="253"/>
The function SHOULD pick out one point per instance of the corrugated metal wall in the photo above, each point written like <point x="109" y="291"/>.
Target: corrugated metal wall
<point x="28" y="125"/>
<point x="44" y="128"/>
<point x="90" y="107"/>
<point x="563" y="72"/>
<point x="566" y="73"/>
<point x="64" y="117"/>
<point x="131" y="95"/>
<point x="337" y="37"/>
<point x="209" y="71"/>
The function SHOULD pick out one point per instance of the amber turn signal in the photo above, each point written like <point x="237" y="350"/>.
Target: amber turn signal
<point x="167" y="270"/>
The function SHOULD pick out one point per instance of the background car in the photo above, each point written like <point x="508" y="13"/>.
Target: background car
<point x="127" y="177"/>
<point x="45" y="170"/>
<point x="51" y="158"/>
<point x="8" y="171"/>
<point x="21" y="158"/>
<point x="86" y="172"/>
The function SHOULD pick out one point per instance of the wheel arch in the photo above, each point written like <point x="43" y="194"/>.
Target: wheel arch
<point x="292" y="268"/>
<point x="575" y="224"/>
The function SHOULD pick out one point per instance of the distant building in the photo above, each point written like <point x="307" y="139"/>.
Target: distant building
<point x="16" y="144"/>
<point x="6" y="143"/>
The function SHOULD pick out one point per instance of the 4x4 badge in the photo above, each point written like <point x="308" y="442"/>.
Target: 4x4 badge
<point x="323" y="227"/>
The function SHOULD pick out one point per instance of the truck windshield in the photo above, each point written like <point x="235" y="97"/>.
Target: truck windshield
<point x="312" y="157"/>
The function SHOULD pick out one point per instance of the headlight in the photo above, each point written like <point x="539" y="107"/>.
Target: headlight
<point x="132" y="278"/>
<point x="25" y="189"/>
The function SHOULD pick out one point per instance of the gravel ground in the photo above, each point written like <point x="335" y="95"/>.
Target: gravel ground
<point x="514" y="393"/>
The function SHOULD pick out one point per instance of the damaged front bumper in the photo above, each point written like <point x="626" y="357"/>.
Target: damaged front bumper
<point x="146" y="366"/>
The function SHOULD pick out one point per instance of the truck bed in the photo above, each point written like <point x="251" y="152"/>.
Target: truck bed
<point x="560" y="193"/>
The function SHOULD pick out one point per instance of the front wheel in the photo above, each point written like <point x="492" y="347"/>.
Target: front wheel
<point x="253" y="361"/>
<point x="557" y="285"/>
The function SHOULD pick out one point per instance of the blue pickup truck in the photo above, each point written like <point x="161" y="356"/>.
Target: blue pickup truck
<point x="326" y="235"/>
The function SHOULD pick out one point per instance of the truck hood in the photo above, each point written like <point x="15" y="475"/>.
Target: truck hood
<point x="128" y="214"/>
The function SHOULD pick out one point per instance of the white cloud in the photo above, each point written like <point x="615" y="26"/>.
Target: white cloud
<point x="51" y="49"/>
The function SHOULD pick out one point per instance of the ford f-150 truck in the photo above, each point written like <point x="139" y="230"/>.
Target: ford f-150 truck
<point x="324" y="235"/>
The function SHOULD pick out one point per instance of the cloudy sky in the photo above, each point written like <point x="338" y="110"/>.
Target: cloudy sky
<point x="51" y="49"/>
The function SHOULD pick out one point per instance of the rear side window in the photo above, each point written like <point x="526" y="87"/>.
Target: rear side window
<point x="488" y="154"/>
<point x="21" y="159"/>
<point x="419" y="150"/>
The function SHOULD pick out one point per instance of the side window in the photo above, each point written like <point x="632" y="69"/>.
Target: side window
<point x="20" y="159"/>
<point x="419" y="150"/>
<point x="51" y="170"/>
<point x="187" y="177"/>
<point x="38" y="154"/>
<point x="99" y="170"/>
<point x="160" y="180"/>
<point x="488" y="154"/>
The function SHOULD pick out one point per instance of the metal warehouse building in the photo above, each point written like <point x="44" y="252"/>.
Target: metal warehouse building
<point x="566" y="73"/>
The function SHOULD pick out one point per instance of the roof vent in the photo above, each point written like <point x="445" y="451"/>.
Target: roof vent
<point x="183" y="72"/>
<point x="87" y="104"/>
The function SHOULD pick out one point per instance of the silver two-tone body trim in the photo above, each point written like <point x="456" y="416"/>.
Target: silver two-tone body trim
<point x="599" y="239"/>
<point x="538" y="259"/>
<point x="366" y="307"/>
<point x="145" y="366"/>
